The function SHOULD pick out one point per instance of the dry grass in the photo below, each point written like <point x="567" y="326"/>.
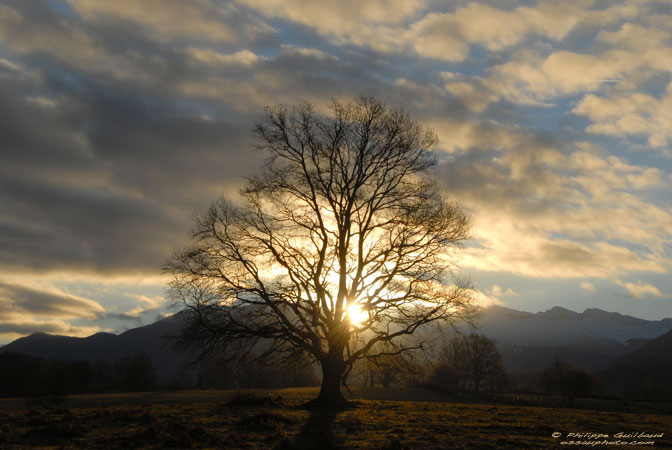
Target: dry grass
<point x="274" y="419"/>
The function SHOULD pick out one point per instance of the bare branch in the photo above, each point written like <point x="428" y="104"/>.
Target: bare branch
<point x="344" y="214"/>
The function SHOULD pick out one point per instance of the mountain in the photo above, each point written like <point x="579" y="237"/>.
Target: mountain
<point x="644" y="373"/>
<point x="153" y="340"/>
<point x="655" y="351"/>
<point x="591" y="339"/>
<point x="528" y="342"/>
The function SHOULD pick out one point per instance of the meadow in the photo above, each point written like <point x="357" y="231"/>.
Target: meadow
<point x="276" y="419"/>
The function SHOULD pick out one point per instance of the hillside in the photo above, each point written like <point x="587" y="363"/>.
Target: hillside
<point x="528" y="341"/>
<point x="153" y="340"/>
<point x="658" y="350"/>
<point x="644" y="373"/>
<point x="591" y="339"/>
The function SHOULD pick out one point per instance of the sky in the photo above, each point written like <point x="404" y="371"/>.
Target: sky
<point x="119" y="121"/>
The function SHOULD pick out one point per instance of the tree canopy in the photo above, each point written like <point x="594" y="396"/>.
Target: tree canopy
<point x="342" y="244"/>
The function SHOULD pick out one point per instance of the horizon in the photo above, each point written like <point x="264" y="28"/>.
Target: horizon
<point x="118" y="332"/>
<point x="123" y="120"/>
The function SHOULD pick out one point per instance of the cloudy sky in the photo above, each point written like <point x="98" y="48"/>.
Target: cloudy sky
<point x="119" y="120"/>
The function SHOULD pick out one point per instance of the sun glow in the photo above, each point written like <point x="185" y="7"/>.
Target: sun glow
<point x="356" y="314"/>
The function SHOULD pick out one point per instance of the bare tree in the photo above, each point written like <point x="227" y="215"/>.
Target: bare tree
<point x="476" y="358"/>
<point x="568" y="380"/>
<point x="341" y="244"/>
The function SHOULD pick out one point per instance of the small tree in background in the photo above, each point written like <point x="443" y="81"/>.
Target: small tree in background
<point x="567" y="380"/>
<point x="497" y="379"/>
<point x="470" y="360"/>
<point x="480" y="359"/>
<point x="344" y="243"/>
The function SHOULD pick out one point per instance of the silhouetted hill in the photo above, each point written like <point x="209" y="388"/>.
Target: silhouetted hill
<point x="153" y="340"/>
<point x="528" y="342"/>
<point x="591" y="339"/>
<point x="644" y="373"/>
<point x="658" y="351"/>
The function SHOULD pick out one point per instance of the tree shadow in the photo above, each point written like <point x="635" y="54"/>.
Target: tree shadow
<point x="317" y="433"/>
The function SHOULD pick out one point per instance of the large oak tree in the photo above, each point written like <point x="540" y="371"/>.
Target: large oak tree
<point x="341" y="249"/>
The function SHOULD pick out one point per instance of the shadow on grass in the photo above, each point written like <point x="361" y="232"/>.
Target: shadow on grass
<point x="317" y="433"/>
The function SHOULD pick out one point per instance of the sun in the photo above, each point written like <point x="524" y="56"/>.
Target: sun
<point x="356" y="314"/>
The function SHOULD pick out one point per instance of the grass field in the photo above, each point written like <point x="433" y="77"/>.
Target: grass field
<point x="275" y="419"/>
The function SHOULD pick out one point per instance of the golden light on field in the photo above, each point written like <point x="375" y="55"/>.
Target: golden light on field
<point x="356" y="314"/>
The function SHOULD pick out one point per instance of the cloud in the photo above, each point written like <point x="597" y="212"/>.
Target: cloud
<point x="373" y="25"/>
<point x="32" y="301"/>
<point x="306" y="52"/>
<point x="10" y="16"/>
<point x="632" y="114"/>
<point x="491" y="296"/>
<point x="145" y="306"/>
<point x="588" y="287"/>
<point x="603" y="175"/>
<point x="497" y="291"/>
<point x="539" y="256"/>
<point x="207" y="56"/>
<point x="106" y="153"/>
<point x="397" y="26"/>
<point x="168" y="19"/>
<point x="639" y="289"/>
<point x="483" y="299"/>
<point x="560" y="209"/>
<point x="73" y="303"/>
<point x="470" y="90"/>
<point x="627" y="57"/>
<point x="10" y="330"/>
<point x="123" y="119"/>
<point x="99" y="177"/>
<point x="27" y="309"/>
<point x="43" y="32"/>
<point x="449" y="36"/>
<point x="54" y="227"/>
<point x="121" y="184"/>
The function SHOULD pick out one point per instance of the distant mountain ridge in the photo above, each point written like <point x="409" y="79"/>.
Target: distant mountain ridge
<point x="591" y="339"/>
<point x="557" y="323"/>
<point x="153" y="340"/>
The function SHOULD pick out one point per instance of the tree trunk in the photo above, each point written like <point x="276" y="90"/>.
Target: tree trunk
<point x="330" y="395"/>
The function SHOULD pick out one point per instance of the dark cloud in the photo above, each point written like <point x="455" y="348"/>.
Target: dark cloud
<point x="53" y="226"/>
<point x="130" y="320"/>
<point x="103" y="175"/>
<point x="503" y="169"/>
<point x="111" y="140"/>
<point x="20" y="299"/>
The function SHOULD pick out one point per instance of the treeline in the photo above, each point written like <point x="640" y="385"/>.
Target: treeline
<point x="253" y="372"/>
<point x="26" y="376"/>
<point x="472" y="363"/>
<point x="461" y="363"/>
<point x="648" y="381"/>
